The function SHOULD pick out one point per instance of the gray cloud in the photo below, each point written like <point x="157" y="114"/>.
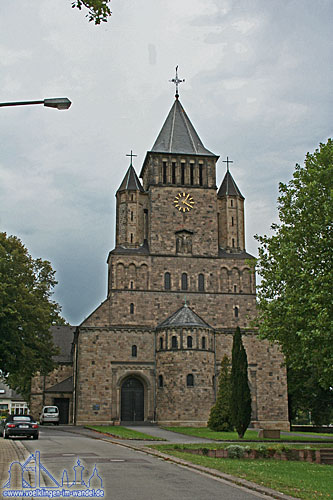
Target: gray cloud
<point x="258" y="89"/>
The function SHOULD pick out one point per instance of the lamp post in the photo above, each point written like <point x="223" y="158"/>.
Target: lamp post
<point x="58" y="103"/>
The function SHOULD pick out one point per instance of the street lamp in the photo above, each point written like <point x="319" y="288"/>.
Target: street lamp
<point x="58" y="102"/>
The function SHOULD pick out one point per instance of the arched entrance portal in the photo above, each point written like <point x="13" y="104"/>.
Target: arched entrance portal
<point x="132" y="400"/>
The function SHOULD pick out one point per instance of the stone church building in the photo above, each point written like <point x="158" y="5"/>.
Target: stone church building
<point x="179" y="283"/>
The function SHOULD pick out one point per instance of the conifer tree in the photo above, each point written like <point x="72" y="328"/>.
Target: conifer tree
<point x="220" y="413"/>
<point x="240" y="391"/>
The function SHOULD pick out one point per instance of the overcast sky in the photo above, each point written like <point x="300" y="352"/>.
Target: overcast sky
<point x="258" y="89"/>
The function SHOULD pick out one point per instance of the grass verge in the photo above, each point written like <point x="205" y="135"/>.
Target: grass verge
<point x="250" y="435"/>
<point x="122" y="432"/>
<point x="298" y="479"/>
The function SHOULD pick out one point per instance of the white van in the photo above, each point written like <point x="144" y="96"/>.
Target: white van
<point x="49" y="415"/>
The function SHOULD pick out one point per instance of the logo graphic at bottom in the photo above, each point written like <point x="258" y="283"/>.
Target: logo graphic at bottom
<point x="25" y="480"/>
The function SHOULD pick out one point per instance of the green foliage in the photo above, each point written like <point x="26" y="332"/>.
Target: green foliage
<point x="26" y="314"/>
<point x="307" y="399"/>
<point x="295" y="265"/>
<point x="220" y="413"/>
<point x="98" y="10"/>
<point x="262" y="450"/>
<point x="236" y="451"/>
<point x="240" y="391"/>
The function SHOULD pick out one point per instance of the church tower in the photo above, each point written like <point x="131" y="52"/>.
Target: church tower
<point x="179" y="283"/>
<point x="230" y="215"/>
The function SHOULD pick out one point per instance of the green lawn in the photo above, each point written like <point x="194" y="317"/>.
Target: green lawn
<point x="299" y="479"/>
<point x="122" y="432"/>
<point x="252" y="435"/>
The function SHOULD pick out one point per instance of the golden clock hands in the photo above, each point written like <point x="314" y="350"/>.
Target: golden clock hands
<point x="188" y="204"/>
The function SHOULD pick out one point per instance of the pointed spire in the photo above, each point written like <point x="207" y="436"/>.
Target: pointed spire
<point x="229" y="186"/>
<point x="131" y="181"/>
<point x="178" y="135"/>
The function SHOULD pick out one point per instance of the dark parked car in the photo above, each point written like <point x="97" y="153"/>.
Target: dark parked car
<point x="19" y="425"/>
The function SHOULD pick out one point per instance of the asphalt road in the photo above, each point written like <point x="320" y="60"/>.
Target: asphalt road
<point x="127" y="474"/>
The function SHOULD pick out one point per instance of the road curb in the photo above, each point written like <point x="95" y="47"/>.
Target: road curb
<point x="206" y="470"/>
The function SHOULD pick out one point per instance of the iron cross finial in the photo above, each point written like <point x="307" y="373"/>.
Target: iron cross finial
<point x="227" y="161"/>
<point x="131" y="155"/>
<point x="176" y="81"/>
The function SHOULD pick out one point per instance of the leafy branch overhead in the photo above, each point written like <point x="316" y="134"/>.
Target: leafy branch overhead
<point x="98" y="10"/>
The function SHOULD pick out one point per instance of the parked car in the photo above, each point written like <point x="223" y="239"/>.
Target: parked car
<point x="19" y="425"/>
<point x="49" y="415"/>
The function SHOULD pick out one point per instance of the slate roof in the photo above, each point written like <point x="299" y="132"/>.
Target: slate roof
<point x="178" y="135"/>
<point x="131" y="181"/>
<point x="184" y="317"/>
<point x="9" y="393"/>
<point x="141" y="250"/>
<point x="229" y="187"/>
<point x="64" y="386"/>
<point x="63" y="337"/>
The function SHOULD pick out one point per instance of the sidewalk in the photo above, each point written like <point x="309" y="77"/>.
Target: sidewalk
<point x="11" y="450"/>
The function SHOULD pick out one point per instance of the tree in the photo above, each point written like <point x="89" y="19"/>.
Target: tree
<point x="240" y="391"/>
<point x="26" y="314"/>
<point x="98" y="10"/>
<point x="295" y="265"/>
<point x="308" y="401"/>
<point x="220" y="413"/>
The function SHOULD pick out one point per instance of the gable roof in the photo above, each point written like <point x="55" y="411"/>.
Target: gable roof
<point x="184" y="317"/>
<point x="229" y="187"/>
<point x="130" y="181"/>
<point x="63" y="337"/>
<point x="178" y="135"/>
<point x="63" y="386"/>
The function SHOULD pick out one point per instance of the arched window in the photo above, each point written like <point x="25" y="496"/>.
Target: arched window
<point x="236" y="312"/>
<point x="174" y="342"/>
<point x="213" y="381"/>
<point x="134" y="351"/>
<point x="173" y="172"/>
<point x="189" y="341"/>
<point x="203" y="343"/>
<point x="191" y="174"/>
<point x="131" y="308"/>
<point x="200" y="175"/>
<point x="161" y="343"/>
<point x="190" y="380"/>
<point x="164" y="172"/>
<point x="132" y="285"/>
<point x="183" y="174"/>
<point x="131" y="237"/>
<point x="233" y="242"/>
<point x="167" y="281"/>
<point x="201" y="282"/>
<point x="160" y="381"/>
<point x="132" y="215"/>
<point x="184" y="281"/>
<point x="235" y="288"/>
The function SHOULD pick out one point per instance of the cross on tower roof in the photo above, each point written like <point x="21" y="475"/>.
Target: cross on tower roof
<point x="176" y="81"/>
<point x="131" y="155"/>
<point x="227" y="161"/>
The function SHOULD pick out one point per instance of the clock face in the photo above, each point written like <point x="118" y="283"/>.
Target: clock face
<point x="184" y="202"/>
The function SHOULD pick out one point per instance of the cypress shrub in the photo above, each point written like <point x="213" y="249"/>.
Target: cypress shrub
<point x="240" y="391"/>
<point x="220" y="413"/>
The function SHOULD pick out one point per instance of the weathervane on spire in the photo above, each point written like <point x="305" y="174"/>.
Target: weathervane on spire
<point x="176" y="81"/>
